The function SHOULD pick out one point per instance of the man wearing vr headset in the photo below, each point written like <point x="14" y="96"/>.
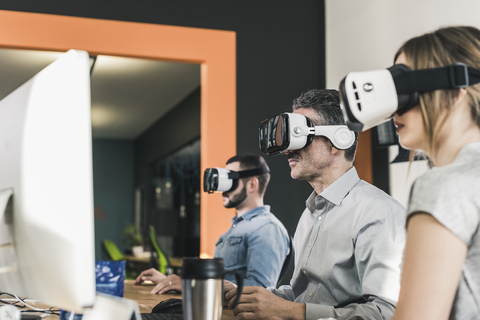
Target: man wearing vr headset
<point x="350" y="238"/>
<point x="257" y="243"/>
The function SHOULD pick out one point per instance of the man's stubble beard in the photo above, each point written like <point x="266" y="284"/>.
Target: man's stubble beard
<point x="237" y="199"/>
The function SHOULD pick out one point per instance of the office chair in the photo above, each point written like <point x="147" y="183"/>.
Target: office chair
<point x="163" y="265"/>
<point x="287" y="261"/>
<point x="112" y="250"/>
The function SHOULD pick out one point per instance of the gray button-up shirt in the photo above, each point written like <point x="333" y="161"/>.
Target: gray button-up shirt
<point x="348" y="252"/>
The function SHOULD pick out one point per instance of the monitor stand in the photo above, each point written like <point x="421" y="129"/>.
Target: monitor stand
<point x="5" y="241"/>
<point x="4" y="198"/>
<point x="108" y="307"/>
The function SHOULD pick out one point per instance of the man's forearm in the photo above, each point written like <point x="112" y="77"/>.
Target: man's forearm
<point x="377" y="309"/>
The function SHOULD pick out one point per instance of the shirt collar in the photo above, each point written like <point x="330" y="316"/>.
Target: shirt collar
<point x="336" y="191"/>
<point x="252" y="213"/>
<point x="470" y="150"/>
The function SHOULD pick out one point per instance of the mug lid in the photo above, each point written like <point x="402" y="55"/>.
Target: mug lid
<point x="196" y="268"/>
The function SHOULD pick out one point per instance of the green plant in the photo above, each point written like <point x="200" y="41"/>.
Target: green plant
<point x="132" y="236"/>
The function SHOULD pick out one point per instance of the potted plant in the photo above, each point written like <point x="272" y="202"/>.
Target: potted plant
<point x="133" y="238"/>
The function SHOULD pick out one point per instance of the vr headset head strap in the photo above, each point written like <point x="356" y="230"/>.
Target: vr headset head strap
<point x="248" y="173"/>
<point x="457" y="76"/>
<point x="409" y="83"/>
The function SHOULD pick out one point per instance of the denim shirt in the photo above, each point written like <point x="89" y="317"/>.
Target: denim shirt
<point x="256" y="246"/>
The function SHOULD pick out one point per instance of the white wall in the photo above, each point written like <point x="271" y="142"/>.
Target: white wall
<point x="365" y="35"/>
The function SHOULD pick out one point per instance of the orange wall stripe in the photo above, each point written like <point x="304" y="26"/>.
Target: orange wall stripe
<point x="363" y="158"/>
<point x="215" y="50"/>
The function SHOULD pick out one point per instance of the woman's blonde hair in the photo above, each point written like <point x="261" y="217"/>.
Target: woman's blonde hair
<point x="440" y="48"/>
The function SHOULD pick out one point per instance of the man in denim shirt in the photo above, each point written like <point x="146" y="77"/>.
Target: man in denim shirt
<point x="256" y="244"/>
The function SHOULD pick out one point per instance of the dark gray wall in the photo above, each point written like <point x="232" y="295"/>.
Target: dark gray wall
<point x="280" y="53"/>
<point x="178" y="127"/>
<point x="113" y="190"/>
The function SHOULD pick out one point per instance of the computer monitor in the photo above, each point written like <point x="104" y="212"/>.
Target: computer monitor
<point x="46" y="192"/>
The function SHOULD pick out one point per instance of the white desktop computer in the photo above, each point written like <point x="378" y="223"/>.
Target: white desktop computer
<point x="46" y="192"/>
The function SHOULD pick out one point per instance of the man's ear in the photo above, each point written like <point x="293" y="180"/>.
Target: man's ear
<point x="252" y="185"/>
<point x="333" y="150"/>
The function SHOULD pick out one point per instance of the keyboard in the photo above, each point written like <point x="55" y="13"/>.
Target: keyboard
<point x="161" y="316"/>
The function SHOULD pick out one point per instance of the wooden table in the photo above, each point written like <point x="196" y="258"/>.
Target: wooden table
<point x="146" y="300"/>
<point x="175" y="262"/>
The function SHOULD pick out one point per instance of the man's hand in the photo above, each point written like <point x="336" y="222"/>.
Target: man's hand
<point x="151" y="274"/>
<point x="228" y="286"/>
<point x="259" y="303"/>
<point x="172" y="282"/>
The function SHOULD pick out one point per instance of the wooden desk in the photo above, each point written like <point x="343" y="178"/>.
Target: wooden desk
<point x="145" y="260"/>
<point x="146" y="300"/>
<point x="175" y="262"/>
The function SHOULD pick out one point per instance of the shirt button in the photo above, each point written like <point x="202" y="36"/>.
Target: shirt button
<point x="234" y="225"/>
<point x="309" y="244"/>
<point x="319" y="218"/>
<point x="311" y="294"/>
<point x="304" y="271"/>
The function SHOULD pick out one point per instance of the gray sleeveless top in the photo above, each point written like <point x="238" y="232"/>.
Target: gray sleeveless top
<point x="451" y="194"/>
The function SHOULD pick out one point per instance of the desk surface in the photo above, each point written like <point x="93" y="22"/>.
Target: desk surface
<point x="146" y="300"/>
<point x="175" y="262"/>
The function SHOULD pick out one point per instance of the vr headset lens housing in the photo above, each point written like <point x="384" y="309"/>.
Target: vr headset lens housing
<point x="370" y="98"/>
<point x="216" y="179"/>
<point x="286" y="131"/>
<point x="273" y="134"/>
<point x="224" y="180"/>
<point x="293" y="131"/>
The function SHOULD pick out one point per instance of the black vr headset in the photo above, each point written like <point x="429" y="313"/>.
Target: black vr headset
<point x="224" y="180"/>
<point x="370" y="98"/>
<point x="293" y="131"/>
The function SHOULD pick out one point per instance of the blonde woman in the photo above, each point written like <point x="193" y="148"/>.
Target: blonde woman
<point x="441" y="270"/>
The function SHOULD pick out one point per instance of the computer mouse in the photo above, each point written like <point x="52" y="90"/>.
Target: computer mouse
<point x="169" y="306"/>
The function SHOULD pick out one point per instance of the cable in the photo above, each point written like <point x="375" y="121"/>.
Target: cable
<point x="21" y="303"/>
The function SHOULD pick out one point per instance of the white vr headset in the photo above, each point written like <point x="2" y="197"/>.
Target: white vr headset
<point x="224" y="180"/>
<point x="370" y="98"/>
<point x="293" y="131"/>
